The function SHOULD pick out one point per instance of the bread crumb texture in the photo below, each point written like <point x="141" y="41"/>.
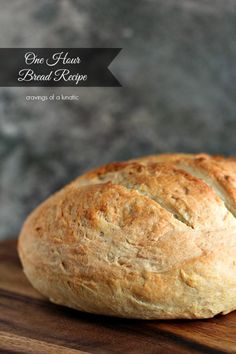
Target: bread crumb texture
<point x="151" y="238"/>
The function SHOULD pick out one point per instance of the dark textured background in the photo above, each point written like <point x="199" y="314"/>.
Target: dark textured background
<point x="178" y="70"/>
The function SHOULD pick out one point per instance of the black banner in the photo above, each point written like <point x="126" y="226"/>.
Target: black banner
<point x="61" y="67"/>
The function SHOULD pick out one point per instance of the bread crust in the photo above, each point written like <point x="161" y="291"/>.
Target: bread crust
<point x="151" y="238"/>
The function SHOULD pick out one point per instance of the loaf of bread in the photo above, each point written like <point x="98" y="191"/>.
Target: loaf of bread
<point x="151" y="238"/>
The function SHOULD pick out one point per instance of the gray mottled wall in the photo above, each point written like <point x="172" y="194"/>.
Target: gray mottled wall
<point x="178" y="70"/>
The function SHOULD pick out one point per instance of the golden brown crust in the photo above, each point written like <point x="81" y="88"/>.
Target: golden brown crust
<point x="148" y="238"/>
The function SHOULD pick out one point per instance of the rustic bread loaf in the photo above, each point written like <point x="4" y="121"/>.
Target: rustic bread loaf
<point x="151" y="238"/>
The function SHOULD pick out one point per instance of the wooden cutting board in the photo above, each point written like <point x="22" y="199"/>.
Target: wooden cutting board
<point x="30" y="324"/>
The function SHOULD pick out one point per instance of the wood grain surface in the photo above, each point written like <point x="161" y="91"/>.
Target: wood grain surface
<point x="30" y="324"/>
